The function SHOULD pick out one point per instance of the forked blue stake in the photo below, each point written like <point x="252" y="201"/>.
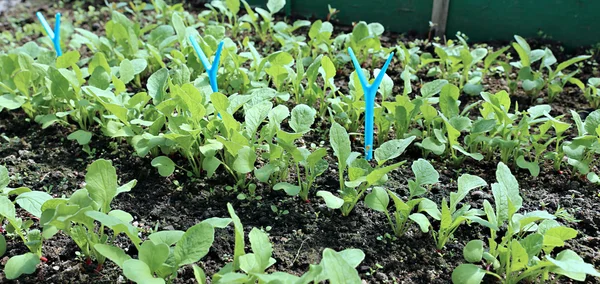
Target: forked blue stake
<point x="211" y="70"/>
<point x="370" y="90"/>
<point x="54" y="35"/>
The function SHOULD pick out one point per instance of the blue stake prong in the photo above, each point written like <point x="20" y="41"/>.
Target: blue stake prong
<point x="370" y="90"/>
<point x="54" y="35"/>
<point x="211" y="70"/>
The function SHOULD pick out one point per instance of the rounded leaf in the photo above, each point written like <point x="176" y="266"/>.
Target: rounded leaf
<point x="467" y="274"/>
<point x="21" y="264"/>
<point x="378" y="199"/>
<point x="164" y="164"/>
<point x="473" y="251"/>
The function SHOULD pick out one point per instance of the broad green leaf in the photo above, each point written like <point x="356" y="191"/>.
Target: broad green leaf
<point x="83" y="137"/>
<point x="115" y="254"/>
<point x="592" y="122"/>
<point x="328" y="67"/>
<point x="164" y="164"/>
<point x="337" y="269"/>
<point x="261" y="247"/>
<point x="467" y="274"/>
<point x="275" y="6"/>
<point x="218" y="222"/>
<point x="302" y="119"/>
<point x="352" y="256"/>
<point x="179" y="26"/>
<point x="532" y="244"/>
<point x="290" y="189"/>
<point x="21" y="264"/>
<point x="157" y="84"/>
<point x="7" y="208"/>
<point x="101" y="183"/>
<point x="154" y="255"/>
<point x="199" y="272"/>
<point x="430" y="89"/>
<point x="392" y="149"/>
<point x="449" y="100"/>
<point x="378" y="199"/>
<point x="473" y="251"/>
<point x="2" y="245"/>
<point x="32" y="201"/>
<point x="331" y="200"/>
<point x="376" y="175"/>
<point x="238" y="249"/>
<point x="4" y="178"/>
<point x="138" y="272"/>
<point x="424" y="172"/>
<point x="572" y="265"/>
<point x="68" y="59"/>
<point x="421" y="220"/>
<point x="340" y="142"/>
<point x="466" y="183"/>
<point x="126" y="71"/>
<point x="194" y="244"/>
<point x="509" y="184"/>
<point x="244" y="163"/>
<point x="166" y="237"/>
<point x="11" y="102"/>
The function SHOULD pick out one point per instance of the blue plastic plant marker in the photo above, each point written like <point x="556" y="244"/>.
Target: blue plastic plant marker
<point x="370" y="90"/>
<point x="211" y="70"/>
<point x="54" y="35"/>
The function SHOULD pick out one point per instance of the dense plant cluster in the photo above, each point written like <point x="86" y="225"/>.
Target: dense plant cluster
<point x="141" y="81"/>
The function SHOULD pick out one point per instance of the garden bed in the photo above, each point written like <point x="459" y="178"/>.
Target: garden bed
<point x="44" y="159"/>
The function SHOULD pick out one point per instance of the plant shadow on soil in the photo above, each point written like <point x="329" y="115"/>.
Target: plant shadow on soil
<point x="43" y="159"/>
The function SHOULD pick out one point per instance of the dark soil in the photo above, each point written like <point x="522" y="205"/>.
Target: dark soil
<point x="43" y="159"/>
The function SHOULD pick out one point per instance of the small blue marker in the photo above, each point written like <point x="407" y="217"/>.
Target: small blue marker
<point x="210" y="70"/>
<point x="53" y="35"/>
<point x="370" y="90"/>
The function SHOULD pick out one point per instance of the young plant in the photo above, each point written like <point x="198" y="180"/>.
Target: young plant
<point x="361" y="175"/>
<point x="524" y="251"/>
<point x="449" y="215"/>
<point x="379" y="199"/>
<point x="30" y="201"/>
<point x="165" y="252"/>
<point x="75" y="216"/>
<point x="335" y="267"/>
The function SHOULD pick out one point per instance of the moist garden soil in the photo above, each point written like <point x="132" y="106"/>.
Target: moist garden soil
<point x="44" y="160"/>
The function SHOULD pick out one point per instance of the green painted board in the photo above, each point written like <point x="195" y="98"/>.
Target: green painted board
<point x="572" y="22"/>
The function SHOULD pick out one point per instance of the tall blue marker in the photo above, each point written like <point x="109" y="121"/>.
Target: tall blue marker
<point x="211" y="70"/>
<point x="54" y="35"/>
<point x="370" y="90"/>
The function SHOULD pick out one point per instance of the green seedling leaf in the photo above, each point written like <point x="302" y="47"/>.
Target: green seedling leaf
<point x="392" y="149"/>
<point x="572" y="265"/>
<point x="199" y="272"/>
<point x="83" y="137"/>
<point x="337" y="269"/>
<point x="127" y="71"/>
<point x="154" y="255"/>
<point x="467" y="274"/>
<point x="244" y="163"/>
<point x="331" y="200"/>
<point x="218" y="222"/>
<point x="466" y="183"/>
<point x="138" y="272"/>
<point x="7" y="208"/>
<point x="166" y="237"/>
<point x="11" y="101"/>
<point x="4" y="178"/>
<point x="115" y="254"/>
<point x="67" y="59"/>
<point x="101" y="183"/>
<point x="2" y="245"/>
<point x="194" y="244"/>
<point x="157" y="84"/>
<point x="21" y="264"/>
<point x="432" y="88"/>
<point x="275" y="6"/>
<point x="32" y="201"/>
<point x="290" y="189"/>
<point x="473" y="251"/>
<point x="239" y="237"/>
<point x="421" y="220"/>
<point x="424" y="172"/>
<point x="164" y="164"/>
<point x="378" y="199"/>
<point x="303" y="118"/>
<point x="340" y="142"/>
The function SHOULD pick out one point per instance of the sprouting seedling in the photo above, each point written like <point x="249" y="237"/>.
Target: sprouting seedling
<point x="370" y="90"/>
<point x="54" y="35"/>
<point x="211" y="70"/>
